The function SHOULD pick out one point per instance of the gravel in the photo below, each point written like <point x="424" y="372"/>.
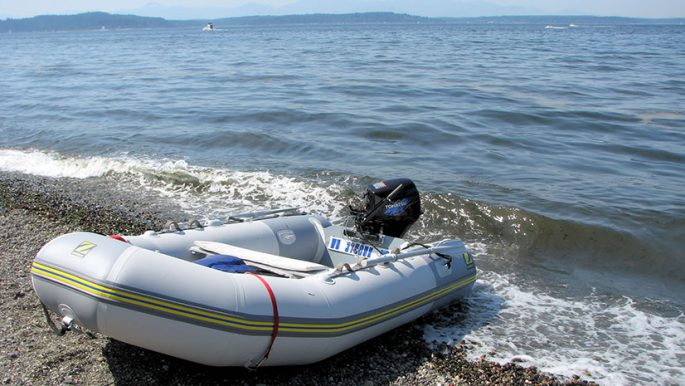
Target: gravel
<point x="33" y="210"/>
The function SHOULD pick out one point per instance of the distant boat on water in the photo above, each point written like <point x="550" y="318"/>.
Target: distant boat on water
<point x="550" y="26"/>
<point x="208" y="27"/>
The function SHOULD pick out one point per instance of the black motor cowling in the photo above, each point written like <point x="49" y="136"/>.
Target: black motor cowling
<point x="390" y="208"/>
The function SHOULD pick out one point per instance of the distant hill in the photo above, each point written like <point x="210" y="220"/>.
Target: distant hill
<point x="389" y="17"/>
<point x="565" y="19"/>
<point x="83" y="21"/>
<point x="324" y="18"/>
<point x="98" y="20"/>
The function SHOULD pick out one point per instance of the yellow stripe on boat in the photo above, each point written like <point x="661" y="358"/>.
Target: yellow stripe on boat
<point x="123" y="296"/>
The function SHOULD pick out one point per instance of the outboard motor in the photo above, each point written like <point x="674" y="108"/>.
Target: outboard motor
<point x="390" y="208"/>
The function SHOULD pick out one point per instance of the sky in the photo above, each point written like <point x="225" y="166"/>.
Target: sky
<point x="208" y="9"/>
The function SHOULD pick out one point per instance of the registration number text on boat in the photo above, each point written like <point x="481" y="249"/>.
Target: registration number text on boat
<point x="353" y="248"/>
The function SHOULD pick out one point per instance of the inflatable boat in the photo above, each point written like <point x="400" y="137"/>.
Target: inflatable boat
<point x="270" y="288"/>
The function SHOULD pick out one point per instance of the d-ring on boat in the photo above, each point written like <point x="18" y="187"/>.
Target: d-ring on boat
<point x="268" y="288"/>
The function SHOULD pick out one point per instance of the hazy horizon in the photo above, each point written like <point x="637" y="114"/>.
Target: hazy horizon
<point x="209" y="9"/>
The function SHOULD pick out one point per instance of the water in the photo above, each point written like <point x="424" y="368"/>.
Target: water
<point x="558" y="155"/>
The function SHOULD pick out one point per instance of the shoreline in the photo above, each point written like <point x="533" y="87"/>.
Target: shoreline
<point x="36" y="209"/>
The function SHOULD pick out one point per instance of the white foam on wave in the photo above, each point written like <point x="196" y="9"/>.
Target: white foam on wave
<point x="228" y="191"/>
<point x="201" y="191"/>
<point x="602" y="338"/>
<point x="50" y="164"/>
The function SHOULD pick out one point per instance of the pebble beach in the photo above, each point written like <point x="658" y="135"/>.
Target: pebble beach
<point x="33" y="210"/>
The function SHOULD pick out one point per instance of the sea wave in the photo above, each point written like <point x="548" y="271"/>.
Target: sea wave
<point x="202" y="191"/>
<point x="555" y="245"/>
<point x="612" y="340"/>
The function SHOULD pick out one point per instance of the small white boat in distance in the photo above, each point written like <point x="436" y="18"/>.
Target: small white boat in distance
<point x="271" y="288"/>
<point x="208" y="27"/>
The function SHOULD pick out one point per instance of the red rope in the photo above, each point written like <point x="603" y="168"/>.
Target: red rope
<point x="274" y="306"/>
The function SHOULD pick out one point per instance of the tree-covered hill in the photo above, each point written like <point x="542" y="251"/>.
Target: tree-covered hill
<point x="83" y="21"/>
